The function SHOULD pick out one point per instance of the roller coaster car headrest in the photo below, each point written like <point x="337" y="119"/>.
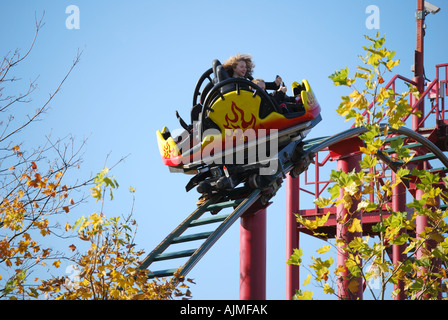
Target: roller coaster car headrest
<point x="297" y="88"/>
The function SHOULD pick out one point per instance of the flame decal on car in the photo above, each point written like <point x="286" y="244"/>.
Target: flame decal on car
<point x="238" y="120"/>
<point x="168" y="151"/>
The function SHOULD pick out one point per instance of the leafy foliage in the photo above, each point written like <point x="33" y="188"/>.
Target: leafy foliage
<point x="109" y="269"/>
<point x="422" y="270"/>
<point x="35" y="202"/>
<point x="32" y="188"/>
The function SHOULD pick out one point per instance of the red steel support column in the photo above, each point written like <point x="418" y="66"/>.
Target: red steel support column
<point x="399" y="205"/>
<point x="419" y="56"/>
<point x="253" y="256"/>
<point x="347" y="164"/>
<point x="421" y="224"/>
<point x="419" y="69"/>
<point x="292" y="236"/>
<point x="421" y="221"/>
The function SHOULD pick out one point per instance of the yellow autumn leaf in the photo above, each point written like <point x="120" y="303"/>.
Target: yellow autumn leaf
<point x="323" y="249"/>
<point x="56" y="263"/>
<point x="382" y="266"/>
<point x="367" y="190"/>
<point x="307" y="280"/>
<point x="391" y="63"/>
<point x="358" y="100"/>
<point x="370" y="149"/>
<point x="351" y="189"/>
<point x="355" y="226"/>
<point x="306" y="295"/>
<point x="347" y="201"/>
<point x="313" y="224"/>
<point x="388" y="188"/>
<point x="323" y="202"/>
<point x="96" y="219"/>
<point x="328" y="289"/>
<point x="96" y="193"/>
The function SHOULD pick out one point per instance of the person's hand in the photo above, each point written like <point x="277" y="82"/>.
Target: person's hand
<point x="282" y="89"/>
<point x="278" y="81"/>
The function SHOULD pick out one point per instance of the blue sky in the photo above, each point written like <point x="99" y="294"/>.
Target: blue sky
<point x="141" y="61"/>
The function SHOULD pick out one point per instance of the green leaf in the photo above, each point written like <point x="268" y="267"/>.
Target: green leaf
<point x="368" y="162"/>
<point x="417" y="285"/>
<point x="77" y="222"/>
<point x="369" y="136"/>
<point x="334" y="191"/>
<point x="401" y="239"/>
<point x="379" y="227"/>
<point x="295" y="258"/>
<point x="402" y="172"/>
<point x="341" y="78"/>
<point x="425" y="262"/>
<point x="391" y="54"/>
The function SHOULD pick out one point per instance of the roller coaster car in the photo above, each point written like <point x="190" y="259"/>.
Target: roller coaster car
<point x="232" y="118"/>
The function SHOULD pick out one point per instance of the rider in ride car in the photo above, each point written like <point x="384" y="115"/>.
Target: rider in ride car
<point x="242" y="66"/>
<point x="286" y="103"/>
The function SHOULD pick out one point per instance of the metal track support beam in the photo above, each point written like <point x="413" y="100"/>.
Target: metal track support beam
<point x="349" y="288"/>
<point x="399" y="205"/>
<point x="292" y="234"/>
<point x="253" y="255"/>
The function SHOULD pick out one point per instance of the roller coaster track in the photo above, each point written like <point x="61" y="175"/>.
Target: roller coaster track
<point x="420" y="147"/>
<point x="311" y="147"/>
<point x="240" y="199"/>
